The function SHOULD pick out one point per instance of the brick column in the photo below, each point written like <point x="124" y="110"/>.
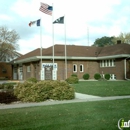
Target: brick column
<point x="32" y="70"/>
<point x="24" y="72"/>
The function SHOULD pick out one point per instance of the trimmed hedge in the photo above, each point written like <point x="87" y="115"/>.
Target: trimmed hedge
<point x="43" y="90"/>
<point x="97" y="76"/>
<point x="107" y="76"/>
<point x="86" y="76"/>
<point x="72" y="80"/>
<point x="32" y="79"/>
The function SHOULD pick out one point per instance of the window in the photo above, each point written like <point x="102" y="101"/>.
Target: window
<point x="15" y="70"/>
<point x="20" y="69"/>
<point x="28" y="69"/>
<point x="112" y="76"/>
<point x="74" y="68"/>
<point x="81" y="68"/>
<point x="107" y="63"/>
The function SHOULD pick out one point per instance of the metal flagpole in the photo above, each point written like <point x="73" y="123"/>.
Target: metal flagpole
<point x="53" y="49"/>
<point x="88" y="34"/>
<point x="65" y="49"/>
<point x="41" y="45"/>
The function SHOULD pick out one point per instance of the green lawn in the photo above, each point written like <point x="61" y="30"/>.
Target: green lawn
<point x="103" y="88"/>
<point x="98" y="115"/>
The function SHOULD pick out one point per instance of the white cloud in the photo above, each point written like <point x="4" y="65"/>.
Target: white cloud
<point x="102" y="17"/>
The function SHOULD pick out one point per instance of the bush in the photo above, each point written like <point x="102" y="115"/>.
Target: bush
<point x="32" y="79"/>
<point x="7" y="97"/>
<point x="97" y="76"/>
<point x="7" y="85"/>
<point x="74" y="75"/>
<point x="1" y="86"/>
<point x="72" y="80"/>
<point x="23" y="90"/>
<point x="61" y="91"/>
<point x="43" y="90"/>
<point x="86" y="76"/>
<point x="107" y="76"/>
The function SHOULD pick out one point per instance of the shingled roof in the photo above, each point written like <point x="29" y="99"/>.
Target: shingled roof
<point x="80" y="51"/>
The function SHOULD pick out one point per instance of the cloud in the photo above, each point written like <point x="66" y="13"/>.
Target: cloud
<point x="102" y="18"/>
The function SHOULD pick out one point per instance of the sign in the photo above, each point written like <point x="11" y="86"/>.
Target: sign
<point x="48" y="73"/>
<point x="49" y="64"/>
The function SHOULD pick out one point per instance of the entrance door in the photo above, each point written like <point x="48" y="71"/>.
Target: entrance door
<point x="15" y="73"/>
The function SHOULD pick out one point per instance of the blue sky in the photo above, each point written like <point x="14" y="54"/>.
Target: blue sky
<point x="86" y="20"/>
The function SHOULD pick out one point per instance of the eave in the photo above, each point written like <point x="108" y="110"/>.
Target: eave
<point x="36" y="58"/>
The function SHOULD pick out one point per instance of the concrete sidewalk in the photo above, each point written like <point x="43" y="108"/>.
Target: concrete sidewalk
<point x="78" y="98"/>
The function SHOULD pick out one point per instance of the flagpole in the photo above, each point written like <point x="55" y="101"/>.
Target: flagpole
<point x="65" y="48"/>
<point x="88" y="34"/>
<point x="41" y="45"/>
<point x="53" y="49"/>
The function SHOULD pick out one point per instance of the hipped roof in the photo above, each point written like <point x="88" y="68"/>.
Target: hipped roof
<point x="79" y="51"/>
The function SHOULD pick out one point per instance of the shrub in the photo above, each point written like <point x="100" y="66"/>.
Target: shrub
<point x="1" y="86"/>
<point x="86" y="76"/>
<point x="7" y="97"/>
<point x="7" y="85"/>
<point x="97" y="76"/>
<point x="107" y="76"/>
<point x="32" y="79"/>
<point x="72" y="80"/>
<point x="43" y="90"/>
<point x="61" y="91"/>
<point x="74" y="75"/>
<point x="23" y="90"/>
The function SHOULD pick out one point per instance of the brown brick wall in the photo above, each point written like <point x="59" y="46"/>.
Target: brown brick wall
<point x="118" y="70"/>
<point x="128" y="69"/>
<point x="90" y="67"/>
<point x="8" y="69"/>
<point x="35" y="70"/>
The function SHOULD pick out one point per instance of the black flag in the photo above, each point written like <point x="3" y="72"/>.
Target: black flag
<point x="59" y="20"/>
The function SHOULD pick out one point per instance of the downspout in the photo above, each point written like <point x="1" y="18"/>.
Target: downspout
<point x="125" y="68"/>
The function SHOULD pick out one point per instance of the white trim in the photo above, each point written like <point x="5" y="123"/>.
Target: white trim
<point x="75" y="69"/>
<point x="125" y="68"/>
<point x="107" y="63"/>
<point x="35" y="58"/>
<point x="82" y="68"/>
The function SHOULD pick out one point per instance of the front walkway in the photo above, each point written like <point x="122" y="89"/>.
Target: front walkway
<point x="78" y="98"/>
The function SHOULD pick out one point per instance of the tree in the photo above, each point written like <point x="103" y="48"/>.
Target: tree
<point x="104" y="41"/>
<point x="8" y="43"/>
<point x="123" y="37"/>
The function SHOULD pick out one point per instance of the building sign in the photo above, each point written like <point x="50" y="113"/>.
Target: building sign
<point x="46" y="74"/>
<point x="49" y="64"/>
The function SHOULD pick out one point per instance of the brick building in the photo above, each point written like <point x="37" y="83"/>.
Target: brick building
<point x="6" y="67"/>
<point x="79" y="59"/>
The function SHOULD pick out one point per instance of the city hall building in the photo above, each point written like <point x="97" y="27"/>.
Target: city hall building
<point x="60" y="64"/>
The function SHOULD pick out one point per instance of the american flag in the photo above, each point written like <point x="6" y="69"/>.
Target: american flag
<point x="45" y="8"/>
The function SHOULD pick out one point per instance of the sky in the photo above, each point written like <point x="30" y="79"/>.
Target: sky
<point x="85" y="21"/>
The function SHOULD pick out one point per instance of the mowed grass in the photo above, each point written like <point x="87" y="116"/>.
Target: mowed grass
<point x="103" y="88"/>
<point x="96" y="115"/>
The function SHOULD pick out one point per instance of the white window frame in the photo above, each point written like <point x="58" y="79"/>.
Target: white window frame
<point x="107" y="63"/>
<point x="28" y="68"/>
<point x="74" y="66"/>
<point x="82" y="66"/>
